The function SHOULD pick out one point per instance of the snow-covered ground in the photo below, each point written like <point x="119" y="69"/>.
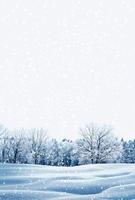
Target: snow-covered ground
<point x="91" y="182"/>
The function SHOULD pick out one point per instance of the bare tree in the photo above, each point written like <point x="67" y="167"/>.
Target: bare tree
<point x="3" y="130"/>
<point x="38" y="138"/>
<point x="3" y="142"/>
<point x="16" y="146"/>
<point x="98" y="144"/>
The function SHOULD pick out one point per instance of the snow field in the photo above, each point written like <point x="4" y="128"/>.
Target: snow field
<point x="89" y="182"/>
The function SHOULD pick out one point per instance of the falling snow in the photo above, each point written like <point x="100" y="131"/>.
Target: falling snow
<point x="64" y="64"/>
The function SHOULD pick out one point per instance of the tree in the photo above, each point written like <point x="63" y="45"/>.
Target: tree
<point x="38" y="138"/>
<point x="52" y="153"/>
<point x="98" y="144"/>
<point x="3" y="143"/>
<point x="65" y="152"/>
<point x="128" y="154"/>
<point x="16" y="146"/>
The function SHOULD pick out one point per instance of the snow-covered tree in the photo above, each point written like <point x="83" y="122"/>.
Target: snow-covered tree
<point x="98" y="144"/>
<point x="74" y="154"/>
<point x="38" y="138"/>
<point x="3" y="143"/>
<point x="128" y="154"/>
<point x="52" y="153"/>
<point x="16" y="147"/>
<point x="65" y="152"/>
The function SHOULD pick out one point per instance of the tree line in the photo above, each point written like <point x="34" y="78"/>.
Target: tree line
<point x="97" y="144"/>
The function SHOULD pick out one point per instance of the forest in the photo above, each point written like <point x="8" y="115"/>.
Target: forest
<point x="96" y="144"/>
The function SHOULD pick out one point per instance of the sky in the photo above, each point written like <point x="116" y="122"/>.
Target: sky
<point x="64" y="64"/>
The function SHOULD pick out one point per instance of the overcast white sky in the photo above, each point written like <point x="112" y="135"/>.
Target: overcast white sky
<point x="67" y="63"/>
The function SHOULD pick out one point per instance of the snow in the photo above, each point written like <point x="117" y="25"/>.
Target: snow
<point x="89" y="182"/>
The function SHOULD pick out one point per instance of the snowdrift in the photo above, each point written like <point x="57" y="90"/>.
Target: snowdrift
<point x="91" y="182"/>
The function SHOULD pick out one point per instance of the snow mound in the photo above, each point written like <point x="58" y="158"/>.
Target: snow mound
<point x="91" y="182"/>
